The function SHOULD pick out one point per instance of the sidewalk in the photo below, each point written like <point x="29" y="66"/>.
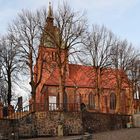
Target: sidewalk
<point x="58" y="138"/>
<point x="122" y="134"/>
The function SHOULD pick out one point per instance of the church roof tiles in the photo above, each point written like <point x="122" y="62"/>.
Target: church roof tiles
<point x="85" y="76"/>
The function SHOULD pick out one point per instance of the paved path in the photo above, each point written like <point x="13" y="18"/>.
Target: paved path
<point x="123" y="134"/>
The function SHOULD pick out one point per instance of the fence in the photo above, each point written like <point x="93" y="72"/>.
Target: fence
<point x="17" y="114"/>
<point x="69" y="107"/>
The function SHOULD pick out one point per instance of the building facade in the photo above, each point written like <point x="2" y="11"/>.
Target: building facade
<point x="86" y="88"/>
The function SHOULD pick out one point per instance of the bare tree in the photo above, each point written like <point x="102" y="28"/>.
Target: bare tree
<point x="3" y="91"/>
<point x="9" y="63"/>
<point x="122" y="54"/>
<point x="69" y="33"/>
<point x="134" y="76"/>
<point x="26" y="33"/>
<point x="98" y="48"/>
<point x="97" y="54"/>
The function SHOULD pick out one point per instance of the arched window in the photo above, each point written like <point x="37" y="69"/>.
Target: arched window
<point x="112" y="101"/>
<point x="106" y="103"/>
<point x="78" y="98"/>
<point x="53" y="56"/>
<point x="91" y="101"/>
<point x="123" y="103"/>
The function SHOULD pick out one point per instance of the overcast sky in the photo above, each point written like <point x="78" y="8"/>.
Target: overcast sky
<point x="120" y="16"/>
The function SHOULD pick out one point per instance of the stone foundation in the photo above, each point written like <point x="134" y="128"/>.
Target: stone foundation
<point x="61" y="123"/>
<point x="8" y="129"/>
<point x="47" y="123"/>
<point x="98" y="122"/>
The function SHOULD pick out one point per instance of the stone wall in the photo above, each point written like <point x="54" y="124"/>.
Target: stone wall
<point x="26" y="125"/>
<point x="4" y="125"/>
<point x="98" y="122"/>
<point x="8" y="129"/>
<point x="47" y="123"/>
<point x="136" y="120"/>
<point x="69" y="123"/>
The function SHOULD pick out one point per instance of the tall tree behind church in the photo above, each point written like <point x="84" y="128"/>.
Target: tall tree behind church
<point x="10" y="66"/>
<point x="71" y="33"/>
<point x="27" y="30"/>
<point x="97" y="54"/>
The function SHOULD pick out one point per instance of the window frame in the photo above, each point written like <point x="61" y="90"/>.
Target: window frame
<point x="91" y="101"/>
<point x="113" y="101"/>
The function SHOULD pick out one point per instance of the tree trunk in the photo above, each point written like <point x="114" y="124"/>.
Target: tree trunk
<point x="9" y="96"/>
<point x="98" y="86"/>
<point x="118" y="92"/>
<point x="62" y="79"/>
<point x="62" y="96"/>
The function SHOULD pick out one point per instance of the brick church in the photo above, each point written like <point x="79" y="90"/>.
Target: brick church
<point x="80" y="82"/>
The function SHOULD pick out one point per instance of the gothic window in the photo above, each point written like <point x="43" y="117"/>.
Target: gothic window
<point x="112" y="101"/>
<point x="123" y="102"/>
<point x="77" y="98"/>
<point x="106" y="103"/>
<point x="53" y="56"/>
<point x="91" y="101"/>
<point x="80" y="97"/>
<point x="105" y="100"/>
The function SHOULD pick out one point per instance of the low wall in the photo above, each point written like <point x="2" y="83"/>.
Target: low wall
<point x="61" y="123"/>
<point x="136" y="120"/>
<point x="8" y="129"/>
<point x="98" y="122"/>
<point x="47" y="124"/>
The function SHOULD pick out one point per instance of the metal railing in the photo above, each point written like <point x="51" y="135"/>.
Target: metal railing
<point x="69" y="107"/>
<point x="20" y="113"/>
<point x="17" y="114"/>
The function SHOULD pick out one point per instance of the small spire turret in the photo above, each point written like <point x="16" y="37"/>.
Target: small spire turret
<point x="50" y="12"/>
<point x="49" y="20"/>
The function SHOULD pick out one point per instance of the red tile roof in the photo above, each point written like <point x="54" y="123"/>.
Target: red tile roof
<point x="84" y="76"/>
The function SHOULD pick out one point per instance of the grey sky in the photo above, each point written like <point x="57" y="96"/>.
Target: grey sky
<point x="120" y="16"/>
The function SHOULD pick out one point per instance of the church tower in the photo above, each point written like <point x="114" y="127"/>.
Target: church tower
<point x="47" y="49"/>
<point x="49" y="53"/>
<point x="50" y="47"/>
<point x="50" y="31"/>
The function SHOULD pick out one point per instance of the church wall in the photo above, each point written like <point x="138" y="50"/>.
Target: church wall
<point x="82" y="95"/>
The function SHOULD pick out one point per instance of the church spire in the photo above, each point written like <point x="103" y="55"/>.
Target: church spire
<point x="50" y="16"/>
<point x="50" y="12"/>
<point x="49" y="27"/>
